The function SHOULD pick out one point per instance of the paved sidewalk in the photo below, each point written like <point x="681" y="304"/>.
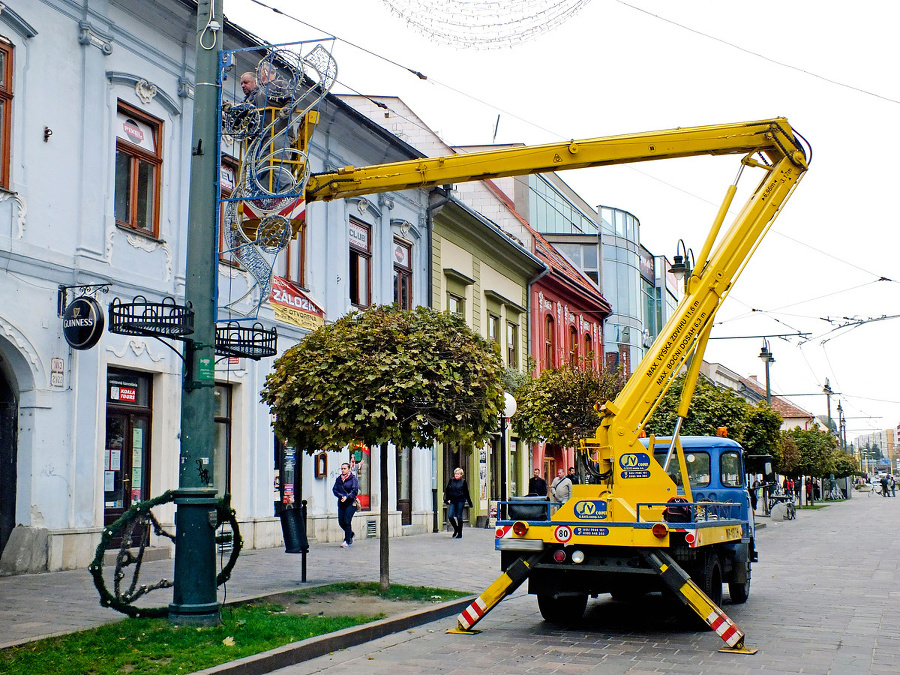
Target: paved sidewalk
<point x="41" y="605"/>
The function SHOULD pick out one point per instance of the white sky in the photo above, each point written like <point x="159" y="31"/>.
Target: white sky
<point x="616" y="68"/>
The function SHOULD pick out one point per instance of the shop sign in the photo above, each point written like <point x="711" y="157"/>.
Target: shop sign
<point x="291" y="305"/>
<point x="83" y="323"/>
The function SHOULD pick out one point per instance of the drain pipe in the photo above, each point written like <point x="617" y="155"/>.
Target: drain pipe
<point x="437" y="198"/>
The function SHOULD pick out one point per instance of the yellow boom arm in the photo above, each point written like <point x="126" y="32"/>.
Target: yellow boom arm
<point x="768" y="144"/>
<point x="773" y="137"/>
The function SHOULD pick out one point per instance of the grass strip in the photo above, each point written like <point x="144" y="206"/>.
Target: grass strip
<point x="156" y="647"/>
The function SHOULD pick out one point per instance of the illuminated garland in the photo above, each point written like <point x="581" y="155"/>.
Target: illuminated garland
<point x="484" y="24"/>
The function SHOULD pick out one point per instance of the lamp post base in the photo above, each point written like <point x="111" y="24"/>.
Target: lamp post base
<point x="194" y="599"/>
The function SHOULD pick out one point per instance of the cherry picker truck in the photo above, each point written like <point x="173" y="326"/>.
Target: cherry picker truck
<point x="660" y="512"/>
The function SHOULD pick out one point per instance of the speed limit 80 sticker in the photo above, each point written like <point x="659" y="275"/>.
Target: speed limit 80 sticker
<point x="563" y="533"/>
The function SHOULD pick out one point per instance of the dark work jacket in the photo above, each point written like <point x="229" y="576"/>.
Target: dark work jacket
<point x="457" y="491"/>
<point x="346" y="488"/>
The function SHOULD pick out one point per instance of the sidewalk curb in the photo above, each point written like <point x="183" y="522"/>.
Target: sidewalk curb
<point x="297" y="652"/>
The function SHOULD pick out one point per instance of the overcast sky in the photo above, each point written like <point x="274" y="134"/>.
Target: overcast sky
<point x="620" y="67"/>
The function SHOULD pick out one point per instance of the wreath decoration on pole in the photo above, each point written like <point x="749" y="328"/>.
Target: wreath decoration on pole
<point x="122" y="599"/>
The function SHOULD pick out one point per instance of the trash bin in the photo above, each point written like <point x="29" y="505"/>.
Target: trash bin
<point x="293" y="529"/>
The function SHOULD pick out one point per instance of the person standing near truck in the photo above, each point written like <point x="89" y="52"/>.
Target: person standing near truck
<point x="561" y="488"/>
<point x="537" y="486"/>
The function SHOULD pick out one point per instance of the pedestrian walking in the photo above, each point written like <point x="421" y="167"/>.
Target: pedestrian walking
<point x="346" y="489"/>
<point x="457" y="496"/>
<point x="884" y="485"/>
<point x="561" y="487"/>
<point x="893" y="484"/>
<point x="754" y="495"/>
<point x="537" y="486"/>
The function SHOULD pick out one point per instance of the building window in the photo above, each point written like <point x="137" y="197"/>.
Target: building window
<point x="222" y="463"/>
<point x="512" y="345"/>
<point x="494" y="329"/>
<point x="6" y="95"/>
<point x="573" y="345"/>
<point x="402" y="274"/>
<point x="549" y="344"/>
<point x="456" y="304"/>
<point x="360" y="263"/>
<point x="588" y="348"/>
<point x="138" y="168"/>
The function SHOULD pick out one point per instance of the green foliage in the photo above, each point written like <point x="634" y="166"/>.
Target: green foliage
<point x="710" y="409"/>
<point x="558" y="405"/>
<point x="405" y="376"/>
<point x="513" y="378"/>
<point x="845" y="465"/>
<point x="787" y="456"/>
<point x="818" y="451"/>
<point x="762" y="431"/>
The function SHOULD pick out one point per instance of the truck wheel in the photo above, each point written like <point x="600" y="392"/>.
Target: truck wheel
<point x="740" y="592"/>
<point x="565" y="609"/>
<point x="710" y="580"/>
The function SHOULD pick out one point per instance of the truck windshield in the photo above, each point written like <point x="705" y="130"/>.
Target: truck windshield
<point x="697" y="466"/>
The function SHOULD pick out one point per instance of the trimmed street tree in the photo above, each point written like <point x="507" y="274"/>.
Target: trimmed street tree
<point x="385" y="375"/>
<point x="558" y="405"/>
<point x="711" y="408"/>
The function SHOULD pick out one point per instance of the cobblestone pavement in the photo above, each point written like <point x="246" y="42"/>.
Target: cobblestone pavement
<point x="825" y="599"/>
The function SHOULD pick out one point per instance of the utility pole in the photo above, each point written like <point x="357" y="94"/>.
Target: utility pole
<point x="194" y="598"/>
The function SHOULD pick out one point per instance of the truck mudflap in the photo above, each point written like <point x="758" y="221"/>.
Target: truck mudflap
<point x="691" y="595"/>
<point x="507" y="583"/>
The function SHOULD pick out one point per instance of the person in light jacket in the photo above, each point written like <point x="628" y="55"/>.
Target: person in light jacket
<point x="457" y="496"/>
<point x="561" y="487"/>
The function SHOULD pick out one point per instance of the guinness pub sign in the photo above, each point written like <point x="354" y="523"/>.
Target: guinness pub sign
<point x="83" y="323"/>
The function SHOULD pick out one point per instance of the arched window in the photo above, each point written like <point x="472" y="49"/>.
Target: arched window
<point x="549" y="342"/>
<point x="573" y="345"/>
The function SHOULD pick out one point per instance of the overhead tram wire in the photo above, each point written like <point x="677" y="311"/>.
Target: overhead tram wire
<point x="424" y="77"/>
<point x="760" y="56"/>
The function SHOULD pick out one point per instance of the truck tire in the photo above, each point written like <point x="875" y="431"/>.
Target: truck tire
<point x="564" y="609"/>
<point x="740" y="592"/>
<point x="710" y="580"/>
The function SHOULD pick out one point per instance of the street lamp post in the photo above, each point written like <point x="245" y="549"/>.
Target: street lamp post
<point x="767" y="358"/>
<point x="828" y="392"/>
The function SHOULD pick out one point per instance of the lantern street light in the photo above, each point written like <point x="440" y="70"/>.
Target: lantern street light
<point x="828" y="392"/>
<point x="682" y="262"/>
<point x="767" y="358"/>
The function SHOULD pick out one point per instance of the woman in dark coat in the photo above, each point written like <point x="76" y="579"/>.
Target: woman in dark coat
<point x="457" y="496"/>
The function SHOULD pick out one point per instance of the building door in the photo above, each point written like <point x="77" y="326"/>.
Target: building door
<point x="404" y="485"/>
<point x="8" y="460"/>
<point x="126" y="461"/>
<point x="549" y="469"/>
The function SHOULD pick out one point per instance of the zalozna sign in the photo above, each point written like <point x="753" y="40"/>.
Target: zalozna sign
<point x="292" y="306"/>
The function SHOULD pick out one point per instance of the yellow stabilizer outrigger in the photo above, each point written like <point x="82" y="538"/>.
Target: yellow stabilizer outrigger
<point x="507" y="583"/>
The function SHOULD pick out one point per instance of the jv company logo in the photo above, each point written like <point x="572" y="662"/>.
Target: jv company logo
<point x="590" y="510"/>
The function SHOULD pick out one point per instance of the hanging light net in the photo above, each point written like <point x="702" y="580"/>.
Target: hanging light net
<point x="484" y="24"/>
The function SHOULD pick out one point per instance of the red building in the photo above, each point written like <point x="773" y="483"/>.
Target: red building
<point x="567" y="315"/>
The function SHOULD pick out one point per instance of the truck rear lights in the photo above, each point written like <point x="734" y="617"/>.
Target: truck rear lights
<point x="660" y="531"/>
<point x="559" y="555"/>
<point x="520" y="528"/>
<point x="577" y="557"/>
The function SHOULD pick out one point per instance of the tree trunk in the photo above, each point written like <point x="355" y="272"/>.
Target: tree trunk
<point x="384" y="548"/>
